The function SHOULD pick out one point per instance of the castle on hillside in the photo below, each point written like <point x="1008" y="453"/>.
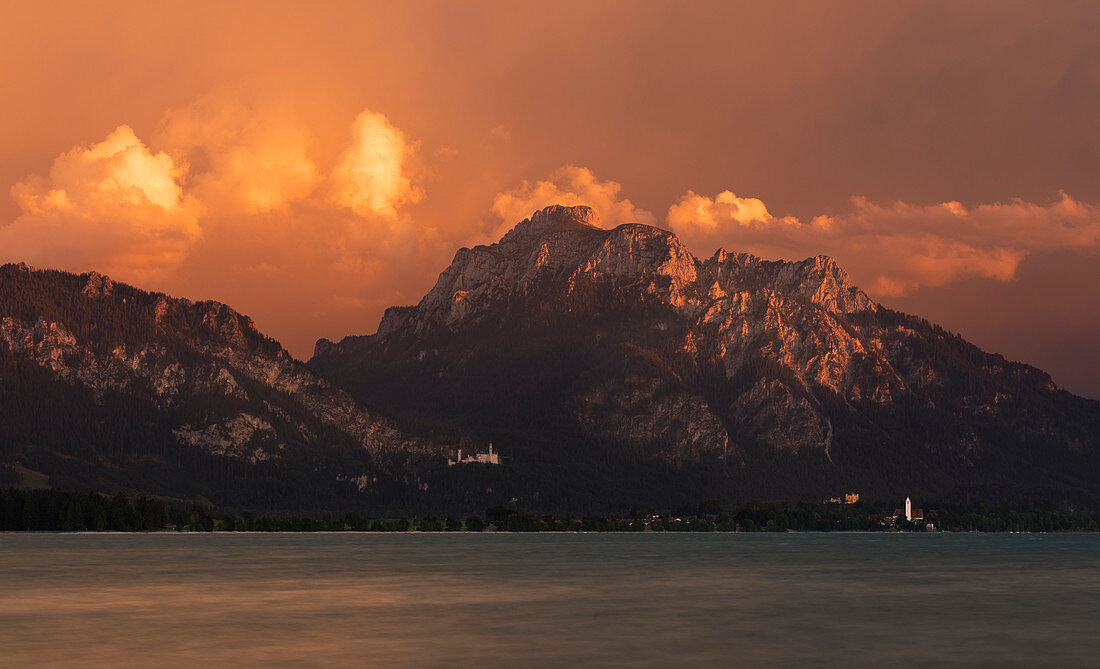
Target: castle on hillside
<point x="490" y="458"/>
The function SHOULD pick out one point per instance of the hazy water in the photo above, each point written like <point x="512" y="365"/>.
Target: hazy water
<point x="549" y="600"/>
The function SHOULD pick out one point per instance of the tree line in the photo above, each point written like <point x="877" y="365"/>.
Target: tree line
<point x="60" y="511"/>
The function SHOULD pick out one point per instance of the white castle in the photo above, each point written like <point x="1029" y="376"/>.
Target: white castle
<point x="490" y="458"/>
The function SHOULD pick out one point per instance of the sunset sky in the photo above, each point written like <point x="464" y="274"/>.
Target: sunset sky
<point x="313" y="163"/>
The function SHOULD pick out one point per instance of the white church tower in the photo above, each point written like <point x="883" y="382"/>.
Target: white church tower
<point x="908" y="509"/>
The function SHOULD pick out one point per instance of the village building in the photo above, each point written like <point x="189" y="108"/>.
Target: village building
<point x="909" y="512"/>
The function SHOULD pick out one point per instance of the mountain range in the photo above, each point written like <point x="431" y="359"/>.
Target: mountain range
<point x="612" y="369"/>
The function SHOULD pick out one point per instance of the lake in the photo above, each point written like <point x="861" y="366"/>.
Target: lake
<point x="504" y="600"/>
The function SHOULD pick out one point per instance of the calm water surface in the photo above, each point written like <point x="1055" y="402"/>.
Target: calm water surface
<point x="489" y="600"/>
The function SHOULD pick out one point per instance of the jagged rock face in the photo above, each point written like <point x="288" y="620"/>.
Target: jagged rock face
<point x="625" y="336"/>
<point x="731" y="308"/>
<point x="206" y="379"/>
<point x="649" y="413"/>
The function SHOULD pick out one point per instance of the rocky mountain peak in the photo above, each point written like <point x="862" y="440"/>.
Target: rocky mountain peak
<point x="559" y="248"/>
<point x="223" y="322"/>
<point x="635" y="252"/>
<point x="554" y="218"/>
<point x="821" y="280"/>
<point x="818" y="280"/>
<point x="98" y="285"/>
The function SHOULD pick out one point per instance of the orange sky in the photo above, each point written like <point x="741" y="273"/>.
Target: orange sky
<point x="312" y="164"/>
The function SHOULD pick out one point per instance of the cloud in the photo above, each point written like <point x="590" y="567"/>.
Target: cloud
<point x="257" y="159"/>
<point x="501" y="132"/>
<point x="242" y="159"/>
<point x="569" y="185"/>
<point x="290" y="236"/>
<point x="234" y="204"/>
<point x="113" y="206"/>
<point x="893" y="249"/>
<point x="711" y="214"/>
<point x="370" y="177"/>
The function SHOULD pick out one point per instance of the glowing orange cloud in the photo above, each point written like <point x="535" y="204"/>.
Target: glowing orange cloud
<point x="569" y="185"/>
<point x="113" y="206"/>
<point x="370" y="176"/>
<point x="892" y="250"/>
<point x="291" y="237"/>
<point x="236" y="198"/>
<point x="241" y="159"/>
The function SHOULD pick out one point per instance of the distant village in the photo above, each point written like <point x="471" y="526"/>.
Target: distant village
<point x="910" y="514"/>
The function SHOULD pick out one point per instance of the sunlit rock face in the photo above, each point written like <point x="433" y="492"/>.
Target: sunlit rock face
<point x="730" y="310"/>
<point x="163" y="377"/>
<point x="624" y="336"/>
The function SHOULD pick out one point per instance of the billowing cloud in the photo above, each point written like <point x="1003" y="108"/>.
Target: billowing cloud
<point x="893" y="249"/>
<point x="370" y="177"/>
<point x="114" y="206"/>
<point x="569" y="185"/>
<point x="239" y="190"/>
<point x="256" y="159"/>
<point x="292" y="237"/>
<point x="725" y="208"/>
<point x="244" y="160"/>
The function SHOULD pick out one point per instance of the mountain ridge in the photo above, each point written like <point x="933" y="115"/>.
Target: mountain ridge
<point x="206" y="377"/>
<point x="731" y="357"/>
<point x="682" y="267"/>
<point x="611" y="368"/>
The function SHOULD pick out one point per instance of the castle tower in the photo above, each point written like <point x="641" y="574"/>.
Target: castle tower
<point x="908" y="509"/>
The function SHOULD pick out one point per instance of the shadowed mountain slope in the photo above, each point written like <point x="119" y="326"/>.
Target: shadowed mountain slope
<point x="107" y="387"/>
